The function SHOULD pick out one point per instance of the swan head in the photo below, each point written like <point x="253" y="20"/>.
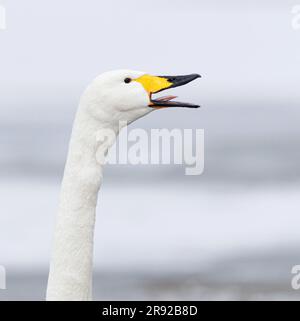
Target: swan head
<point x="126" y="95"/>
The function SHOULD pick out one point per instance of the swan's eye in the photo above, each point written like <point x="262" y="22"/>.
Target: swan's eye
<point x="127" y="80"/>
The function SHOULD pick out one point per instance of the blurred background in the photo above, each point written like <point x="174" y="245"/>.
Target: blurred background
<point x="230" y="233"/>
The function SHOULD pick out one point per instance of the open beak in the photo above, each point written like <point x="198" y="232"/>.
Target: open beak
<point x="155" y="84"/>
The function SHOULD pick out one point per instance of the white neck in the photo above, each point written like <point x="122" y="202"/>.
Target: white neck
<point x="70" y="276"/>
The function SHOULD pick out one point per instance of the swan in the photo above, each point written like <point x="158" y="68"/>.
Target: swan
<point x="114" y="97"/>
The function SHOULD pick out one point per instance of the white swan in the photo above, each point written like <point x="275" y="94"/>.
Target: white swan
<point x="115" y="96"/>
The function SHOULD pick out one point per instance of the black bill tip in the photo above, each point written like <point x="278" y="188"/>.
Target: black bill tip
<point x="158" y="103"/>
<point x="175" y="81"/>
